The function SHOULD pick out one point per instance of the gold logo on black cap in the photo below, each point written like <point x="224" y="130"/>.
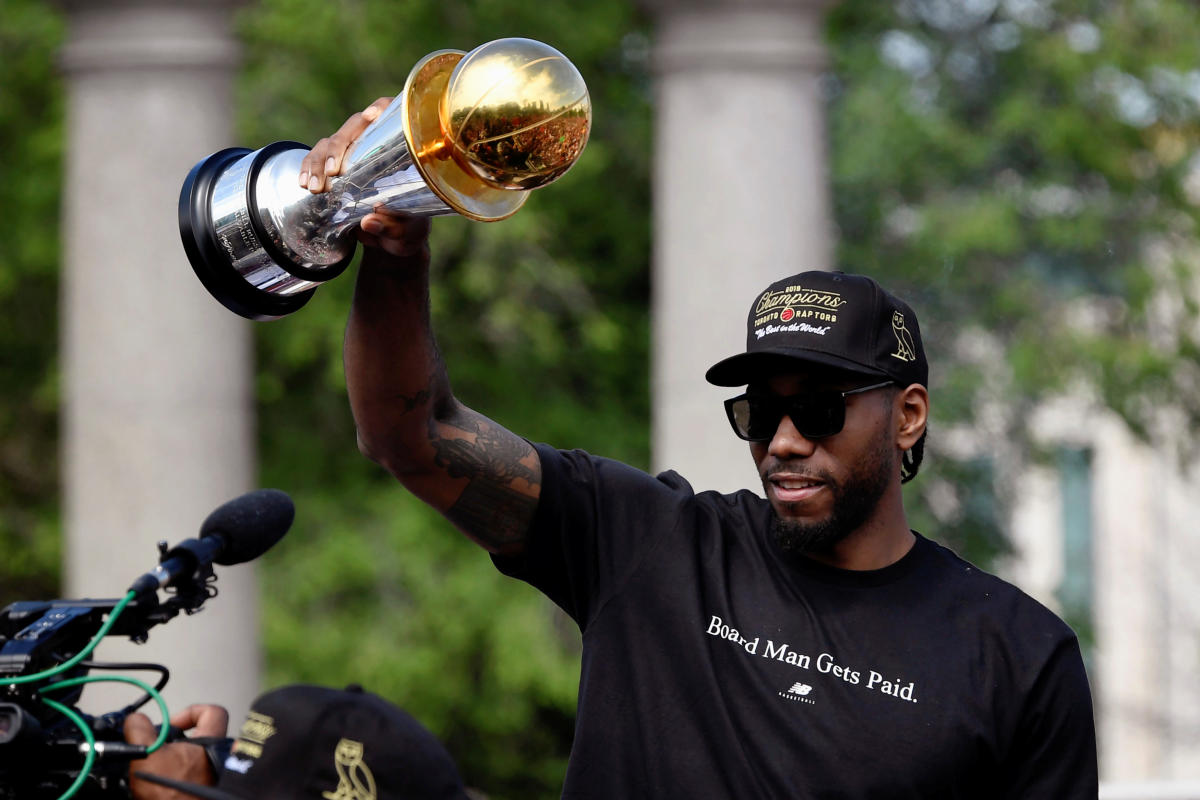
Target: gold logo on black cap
<point x="799" y="296"/>
<point x="796" y="303"/>
<point x="905" y="349"/>
<point x="255" y="731"/>
<point x="355" y="781"/>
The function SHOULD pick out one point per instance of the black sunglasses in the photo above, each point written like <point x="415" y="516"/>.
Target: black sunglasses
<point x="755" y="417"/>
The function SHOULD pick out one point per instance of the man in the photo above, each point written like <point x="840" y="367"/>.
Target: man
<point x="804" y="645"/>
<point x="303" y="742"/>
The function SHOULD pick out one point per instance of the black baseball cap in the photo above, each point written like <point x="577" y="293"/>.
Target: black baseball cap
<point x="834" y="319"/>
<point x="304" y="741"/>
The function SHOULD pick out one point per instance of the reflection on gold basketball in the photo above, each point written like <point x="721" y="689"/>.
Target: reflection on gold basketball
<point x="516" y="113"/>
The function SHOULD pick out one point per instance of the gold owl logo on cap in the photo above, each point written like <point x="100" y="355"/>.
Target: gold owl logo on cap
<point x="355" y="781"/>
<point x="905" y="349"/>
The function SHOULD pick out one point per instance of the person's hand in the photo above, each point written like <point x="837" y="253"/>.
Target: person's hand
<point x="324" y="161"/>
<point x="398" y="235"/>
<point x="178" y="760"/>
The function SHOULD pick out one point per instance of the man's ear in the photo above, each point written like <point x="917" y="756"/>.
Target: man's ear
<point x="912" y="412"/>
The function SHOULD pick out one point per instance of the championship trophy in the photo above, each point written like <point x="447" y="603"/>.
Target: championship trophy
<point x="470" y="134"/>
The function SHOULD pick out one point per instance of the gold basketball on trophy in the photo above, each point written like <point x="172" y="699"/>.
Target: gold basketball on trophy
<point x="516" y="113"/>
<point x="512" y="114"/>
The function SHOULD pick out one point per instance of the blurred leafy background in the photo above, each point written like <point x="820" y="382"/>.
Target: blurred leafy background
<point x="1023" y="171"/>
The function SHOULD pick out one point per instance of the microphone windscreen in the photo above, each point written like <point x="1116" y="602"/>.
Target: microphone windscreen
<point x="250" y="524"/>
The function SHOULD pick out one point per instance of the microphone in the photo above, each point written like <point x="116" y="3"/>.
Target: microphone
<point x="240" y="530"/>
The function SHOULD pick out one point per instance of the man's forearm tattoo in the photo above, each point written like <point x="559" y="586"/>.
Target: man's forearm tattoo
<point x="435" y="384"/>
<point x="493" y="513"/>
<point x="489" y="457"/>
<point x="408" y="403"/>
<point x="487" y="451"/>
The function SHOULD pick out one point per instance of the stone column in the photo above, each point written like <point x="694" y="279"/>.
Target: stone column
<point x="157" y="399"/>
<point x="741" y="199"/>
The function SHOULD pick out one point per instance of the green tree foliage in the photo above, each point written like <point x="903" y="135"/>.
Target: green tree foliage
<point x="1026" y="172"/>
<point x="31" y="138"/>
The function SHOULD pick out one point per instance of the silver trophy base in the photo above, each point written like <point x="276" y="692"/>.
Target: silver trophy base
<point x="232" y="241"/>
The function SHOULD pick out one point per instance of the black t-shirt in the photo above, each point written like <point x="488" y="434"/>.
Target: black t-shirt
<point x="713" y="667"/>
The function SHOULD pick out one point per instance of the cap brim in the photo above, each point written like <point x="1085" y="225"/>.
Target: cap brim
<point x="195" y="790"/>
<point x="745" y="368"/>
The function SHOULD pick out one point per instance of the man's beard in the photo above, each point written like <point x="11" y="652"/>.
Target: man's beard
<point x="854" y="501"/>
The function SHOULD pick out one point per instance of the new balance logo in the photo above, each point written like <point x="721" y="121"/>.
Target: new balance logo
<point x="241" y="765"/>
<point x="799" y="693"/>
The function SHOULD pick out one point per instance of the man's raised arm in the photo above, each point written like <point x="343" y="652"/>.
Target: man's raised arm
<point x="481" y="476"/>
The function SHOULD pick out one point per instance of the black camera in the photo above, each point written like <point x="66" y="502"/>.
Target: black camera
<point x="45" y="741"/>
<point x="52" y="750"/>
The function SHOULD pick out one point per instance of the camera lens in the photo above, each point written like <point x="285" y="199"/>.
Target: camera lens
<point x="10" y="722"/>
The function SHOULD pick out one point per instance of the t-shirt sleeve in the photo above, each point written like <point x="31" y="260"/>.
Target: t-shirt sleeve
<point x="596" y="520"/>
<point x="1054" y="752"/>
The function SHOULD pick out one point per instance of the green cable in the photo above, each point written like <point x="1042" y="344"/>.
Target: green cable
<point x="164" y="730"/>
<point x="82" y="654"/>
<point x="90" y="759"/>
<point x="87" y="734"/>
